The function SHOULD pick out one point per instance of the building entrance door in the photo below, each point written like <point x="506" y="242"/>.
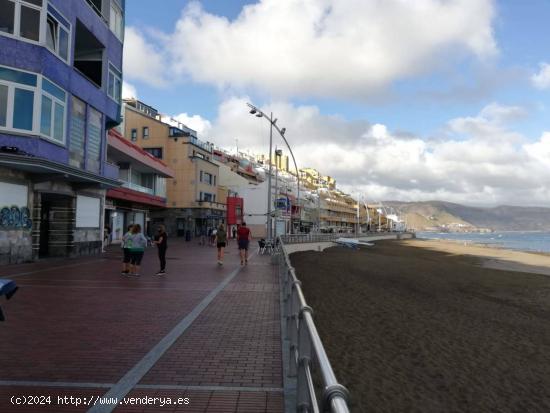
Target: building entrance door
<point x="57" y="216"/>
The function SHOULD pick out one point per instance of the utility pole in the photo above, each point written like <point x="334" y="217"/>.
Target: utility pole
<point x="269" y="222"/>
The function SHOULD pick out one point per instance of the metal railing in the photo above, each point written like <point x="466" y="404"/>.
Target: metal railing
<point x="309" y="238"/>
<point x="306" y="349"/>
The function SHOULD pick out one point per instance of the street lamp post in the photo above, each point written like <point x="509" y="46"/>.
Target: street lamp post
<point x="258" y="113"/>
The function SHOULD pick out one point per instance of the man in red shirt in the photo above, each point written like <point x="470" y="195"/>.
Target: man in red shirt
<point x="243" y="239"/>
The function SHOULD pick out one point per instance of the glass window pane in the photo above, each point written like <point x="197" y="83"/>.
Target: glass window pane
<point x="3" y="105"/>
<point x="35" y="2"/>
<point x="112" y="18"/>
<point x="53" y="89"/>
<point x="23" y="109"/>
<point x="17" y="76"/>
<point x="58" y="123"/>
<point x="46" y="116"/>
<point x="78" y="127"/>
<point x="118" y="90"/>
<point x="93" y="147"/>
<point x="111" y="86"/>
<point x="30" y="23"/>
<point x="63" y="44"/>
<point x="51" y="33"/>
<point x="7" y="16"/>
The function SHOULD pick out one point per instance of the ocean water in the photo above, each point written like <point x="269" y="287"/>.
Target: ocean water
<point x="515" y="240"/>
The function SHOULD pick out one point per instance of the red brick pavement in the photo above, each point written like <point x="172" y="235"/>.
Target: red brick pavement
<point x="80" y="321"/>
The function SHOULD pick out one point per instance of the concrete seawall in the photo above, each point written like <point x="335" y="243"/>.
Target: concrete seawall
<point x="321" y="246"/>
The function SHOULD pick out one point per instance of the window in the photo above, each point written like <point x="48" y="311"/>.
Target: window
<point x="116" y="21"/>
<point x="114" y="88"/>
<point x="30" y="23"/>
<point x="93" y="144"/>
<point x="32" y="103"/>
<point x="206" y="178"/>
<point x="156" y="152"/>
<point x="21" y="18"/>
<point x="52" y="119"/>
<point x="77" y="133"/>
<point x="7" y="16"/>
<point x="88" y="54"/>
<point x="145" y="132"/>
<point x="97" y="6"/>
<point x="57" y="34"/>
<point x="17" y="93"/>
<point x="133" y="135"/>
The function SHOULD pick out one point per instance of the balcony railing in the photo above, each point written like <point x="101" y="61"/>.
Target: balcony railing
<point x="139" y="188"/>
<point x="110" y="170"/>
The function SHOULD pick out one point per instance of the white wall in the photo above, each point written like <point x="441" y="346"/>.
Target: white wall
<point x="13" y="195"/>
<point x="88" y="211"/>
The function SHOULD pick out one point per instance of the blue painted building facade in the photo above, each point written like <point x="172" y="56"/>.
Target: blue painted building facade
<point x="60" y="92"/>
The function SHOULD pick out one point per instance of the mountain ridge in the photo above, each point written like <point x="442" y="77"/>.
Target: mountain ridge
<point x="439" y="215"/>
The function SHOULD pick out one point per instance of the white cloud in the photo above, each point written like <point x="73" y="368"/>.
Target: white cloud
<point x="202" y="126"/>
<point x="476" y="160"/>
<point x="541" y="80"/>
<point x="334" y="48"/>
<point x="143" y="60"/>
<point x="128" y="91"/>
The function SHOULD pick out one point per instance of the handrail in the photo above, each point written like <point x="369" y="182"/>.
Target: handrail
<point x="306" y="348"/>
<point x="321" y="237"/>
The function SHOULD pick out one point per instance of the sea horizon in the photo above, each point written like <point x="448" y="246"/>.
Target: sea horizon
<point x="529" y="241"/>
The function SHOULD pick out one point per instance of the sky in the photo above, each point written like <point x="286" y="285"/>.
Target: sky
<point x="397" y="100"/>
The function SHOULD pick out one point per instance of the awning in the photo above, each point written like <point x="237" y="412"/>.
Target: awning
<point x="44" y="169"/>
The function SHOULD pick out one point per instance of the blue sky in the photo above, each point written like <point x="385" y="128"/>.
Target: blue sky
<point x="455" y="73"/>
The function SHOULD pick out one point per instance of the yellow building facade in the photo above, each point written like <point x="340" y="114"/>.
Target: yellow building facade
<point x="195" y="202"/>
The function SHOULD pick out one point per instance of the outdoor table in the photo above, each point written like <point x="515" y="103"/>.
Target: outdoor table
<point x="7" y="288"/>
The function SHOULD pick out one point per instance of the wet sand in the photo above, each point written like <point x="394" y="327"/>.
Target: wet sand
<point x="409" y="328"/>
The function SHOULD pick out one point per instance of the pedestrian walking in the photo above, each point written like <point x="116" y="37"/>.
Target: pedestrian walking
<point x="221" y="240"/>
<point x="138" y="243"/>
<point x="161" y="241"/>
<point x="243" y="239"/>
<point x="213" y="236"/>
<point x="126" y="250"/>
<point x="234" y="232"/>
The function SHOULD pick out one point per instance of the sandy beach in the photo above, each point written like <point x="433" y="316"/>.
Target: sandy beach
<point x="490" y="257"/>
<point x="431" y="326"/>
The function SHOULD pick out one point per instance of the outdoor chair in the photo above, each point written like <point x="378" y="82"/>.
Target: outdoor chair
<point x="266" y="247"/>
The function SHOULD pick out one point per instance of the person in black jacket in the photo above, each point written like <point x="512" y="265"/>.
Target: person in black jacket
<point x="161" y="240"/>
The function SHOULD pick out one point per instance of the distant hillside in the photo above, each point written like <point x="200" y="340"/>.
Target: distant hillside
<point x="438" y="215"/>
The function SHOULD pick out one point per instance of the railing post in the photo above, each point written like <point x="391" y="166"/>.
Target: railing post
<point x="294" y="327"/>
<point x="303" y="396"/>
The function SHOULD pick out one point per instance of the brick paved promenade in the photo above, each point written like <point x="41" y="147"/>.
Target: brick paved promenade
<point x="78" y="328"/>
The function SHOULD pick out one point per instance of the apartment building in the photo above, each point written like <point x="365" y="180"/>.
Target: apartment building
<point x="193" y="194"/>
<point x="60" y="91"/>
<point x="143" y="188"/>
<point x="313" y="179"/>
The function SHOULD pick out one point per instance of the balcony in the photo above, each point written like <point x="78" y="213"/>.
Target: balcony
<point x="110" y="171"/>
<point x="138" y="188"/>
